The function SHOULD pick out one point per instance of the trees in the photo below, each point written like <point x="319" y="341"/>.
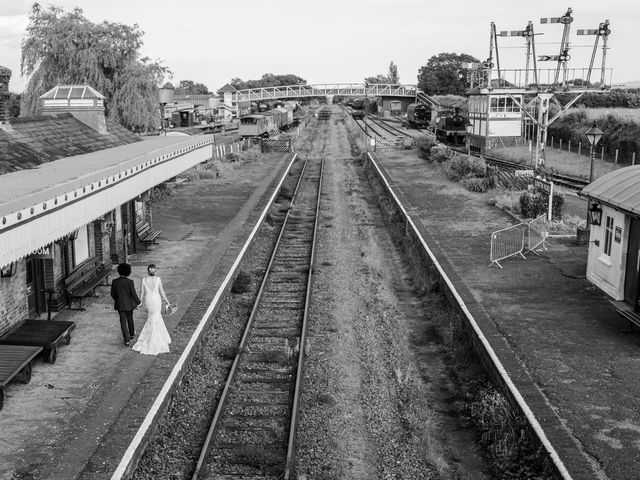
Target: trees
<point x="189" y="87"/>
<point x="392" y="77"/>
<point x="65" y="48"/>
<point x="377" y="79"/>
<point x="443" y="74"/>
<point x="268" y="80"/>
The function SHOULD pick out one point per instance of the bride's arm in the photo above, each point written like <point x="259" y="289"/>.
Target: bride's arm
<point x="142" y="291"/>
<point x="161" y="290"/>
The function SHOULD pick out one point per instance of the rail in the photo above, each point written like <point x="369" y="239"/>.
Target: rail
<point x="262" y="369"/>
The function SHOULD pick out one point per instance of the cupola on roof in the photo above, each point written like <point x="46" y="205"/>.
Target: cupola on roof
<point x="69" y="92"/>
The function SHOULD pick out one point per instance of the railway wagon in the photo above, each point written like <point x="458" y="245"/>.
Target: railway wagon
<point x="418" y="115"/>
<point x="253" y="126"/>
<point x="287" y="116"/>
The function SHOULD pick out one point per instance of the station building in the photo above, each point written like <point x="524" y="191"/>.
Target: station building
<point x="75" y="190"/>
<point x="613" y="263"/>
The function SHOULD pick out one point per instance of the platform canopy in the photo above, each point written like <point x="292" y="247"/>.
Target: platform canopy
<point x="619" y="189"/>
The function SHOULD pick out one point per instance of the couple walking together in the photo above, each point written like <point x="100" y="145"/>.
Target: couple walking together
<point x="154" y="337"/>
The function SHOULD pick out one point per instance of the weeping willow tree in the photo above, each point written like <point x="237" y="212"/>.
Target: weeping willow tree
<point x="65" y="48"/>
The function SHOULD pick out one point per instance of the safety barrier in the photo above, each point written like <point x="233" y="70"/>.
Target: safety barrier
<point x="507" y="242"/>
<point x="538" y="232"/>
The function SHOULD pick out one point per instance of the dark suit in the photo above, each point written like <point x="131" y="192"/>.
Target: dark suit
<point x="123" y="292"/>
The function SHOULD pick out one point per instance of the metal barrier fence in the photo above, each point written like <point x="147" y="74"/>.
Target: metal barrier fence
<point x="507" y="242"/>
<point x="538" y="233"/>
<point x="510" y="241"/>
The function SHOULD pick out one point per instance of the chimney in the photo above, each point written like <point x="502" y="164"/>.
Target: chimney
<point x="81" y="101"/>
<point x="5" y="76"/>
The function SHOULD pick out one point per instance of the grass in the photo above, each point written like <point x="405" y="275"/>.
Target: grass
<point x="568" y="163"/>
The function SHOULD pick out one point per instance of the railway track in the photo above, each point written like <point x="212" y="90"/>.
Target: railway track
<point x="252" y="434"/>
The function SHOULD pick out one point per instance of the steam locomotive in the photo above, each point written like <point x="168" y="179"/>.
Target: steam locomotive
<point x="358" y="108"/>
<point x="451" y="127"/>
<point x="418" y="115"/>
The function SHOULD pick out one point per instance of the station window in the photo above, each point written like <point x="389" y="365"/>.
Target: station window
<point x="504" y="103"/>
<point x="608" y="236"/>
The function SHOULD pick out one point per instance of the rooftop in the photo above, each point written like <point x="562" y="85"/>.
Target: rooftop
<point x="32" y="141"/>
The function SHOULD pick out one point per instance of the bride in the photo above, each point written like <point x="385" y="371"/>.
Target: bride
<point x="154" y="337"/>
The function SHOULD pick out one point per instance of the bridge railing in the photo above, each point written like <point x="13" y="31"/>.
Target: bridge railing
<point x="328" y="89"/>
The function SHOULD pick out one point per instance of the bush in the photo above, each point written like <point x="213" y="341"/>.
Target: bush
<point x="534" y="203"/>
<point x="466" y="166"/>
<point x="424" y="144"/>
<point x="440" y="153"/>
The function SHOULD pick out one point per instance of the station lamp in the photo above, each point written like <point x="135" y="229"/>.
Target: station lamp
<point x="593" y="134"/>
<point x="594" y="214"/>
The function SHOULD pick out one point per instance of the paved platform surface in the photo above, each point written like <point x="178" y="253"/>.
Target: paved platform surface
<point x="77" y="416"/>
<point x="562" y="339"/>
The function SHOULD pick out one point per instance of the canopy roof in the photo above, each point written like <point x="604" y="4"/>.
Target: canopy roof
<point x="620" y="189"/>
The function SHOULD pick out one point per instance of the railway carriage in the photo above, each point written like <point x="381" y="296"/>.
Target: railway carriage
<point x="253" y="126"/>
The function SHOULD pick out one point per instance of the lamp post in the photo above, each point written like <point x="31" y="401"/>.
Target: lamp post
<point x="593" y="134"/>
<point x="468" y="126"/>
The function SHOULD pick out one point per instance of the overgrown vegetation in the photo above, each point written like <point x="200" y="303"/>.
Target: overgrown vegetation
<point x="512" y="449"/>
<point x="619" y="133"/>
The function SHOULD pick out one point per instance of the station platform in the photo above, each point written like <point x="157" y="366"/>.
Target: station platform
<point x="557" y="335"/>
<point x="76" y="416"/>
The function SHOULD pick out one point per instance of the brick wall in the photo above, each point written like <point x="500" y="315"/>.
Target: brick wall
<point x="13" y="299"/>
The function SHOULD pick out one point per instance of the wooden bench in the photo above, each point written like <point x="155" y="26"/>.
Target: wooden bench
<point x="626" y="311"/>
<point x="84" y="280"/>
<point x="15" y="363"/>
<point x="146" y="235"/>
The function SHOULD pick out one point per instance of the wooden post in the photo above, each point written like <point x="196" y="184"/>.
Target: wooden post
<point x="569" y="147"/>
<point x="616" y="160"/>
<point x="633" y="159"/>
<point x="560" y="147"/>
<point x="602" y="155"/>
<point x="579" y="147"/>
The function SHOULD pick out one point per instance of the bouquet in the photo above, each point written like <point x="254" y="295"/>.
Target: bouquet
<point x="170" y="309"/>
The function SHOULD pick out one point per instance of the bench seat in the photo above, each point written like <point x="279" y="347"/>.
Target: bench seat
<point x="84" y="281"/>
<point x="146" y="235"/>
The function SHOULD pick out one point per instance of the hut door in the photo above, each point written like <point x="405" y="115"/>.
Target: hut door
<point x="631" y="294"/>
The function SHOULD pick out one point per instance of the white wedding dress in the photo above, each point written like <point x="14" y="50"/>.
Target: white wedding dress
<point x="154" y="337"/>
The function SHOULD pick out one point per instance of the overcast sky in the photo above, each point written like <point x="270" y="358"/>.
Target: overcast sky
<point x="337" y="41"/>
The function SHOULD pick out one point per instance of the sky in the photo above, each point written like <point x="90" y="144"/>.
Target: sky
<point x="337" y="41"/>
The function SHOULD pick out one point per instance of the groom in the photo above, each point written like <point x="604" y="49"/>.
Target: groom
<point x="123" y="292"/>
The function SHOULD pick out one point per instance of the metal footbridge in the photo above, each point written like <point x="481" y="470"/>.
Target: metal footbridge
<point x="333" y="89"/>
